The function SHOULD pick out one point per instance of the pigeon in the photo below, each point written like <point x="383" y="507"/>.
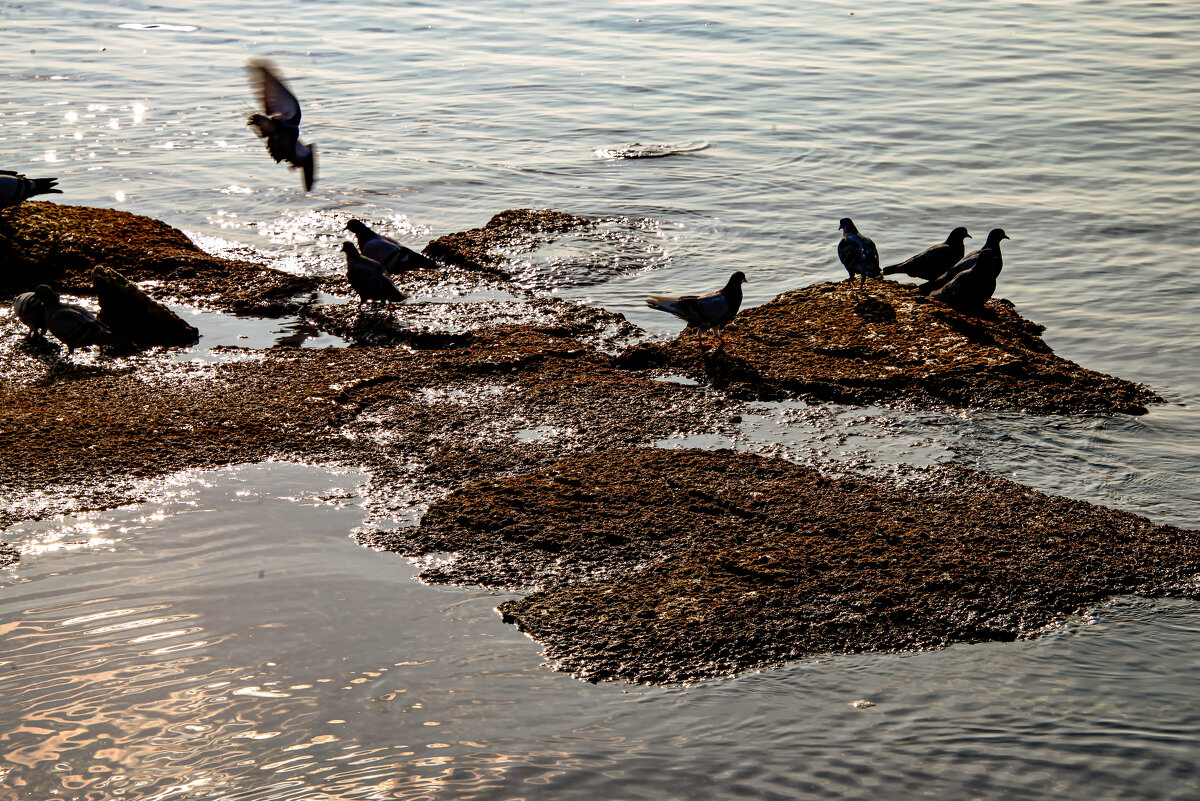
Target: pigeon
<point x="394" y="257"/>
<point x="966" y="262"/>
<point x="932" y="262"/>
<point x="368" y="278"/>
<point x="858" y="254"/>
<point x="280" y="126"/>
<point x="16" y="188"/>
<point x="710" y="312"/>
<point x="31" y="311"/>
<point x="74" y="325"/>
<point x="971" y="288"/>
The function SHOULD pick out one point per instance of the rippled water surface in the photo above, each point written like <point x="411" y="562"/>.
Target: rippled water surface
<point x="229" y="640"/>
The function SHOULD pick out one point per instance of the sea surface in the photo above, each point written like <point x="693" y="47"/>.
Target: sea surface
<point x="229" y="640"/>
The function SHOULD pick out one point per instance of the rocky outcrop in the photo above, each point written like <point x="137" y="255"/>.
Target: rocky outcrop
<point x="515" y="229"/>
<point x="134" y="316"/>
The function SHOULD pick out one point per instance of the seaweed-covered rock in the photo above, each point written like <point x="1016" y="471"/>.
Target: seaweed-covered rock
<point x="515" y="229"/>
<point x="836" y="342"/>
<point x="131" y="314"/>
<point x="659" y="565"/>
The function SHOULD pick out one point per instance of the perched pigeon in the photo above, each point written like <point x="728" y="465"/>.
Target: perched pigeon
<point x="969" y="289"/>
<point x="16" y="188"/>
<point x="858" y="254"/>
<point x="394" y="257"/>
<point x="31" y="311"/>
<point x="710" y="312"/>
<point x="932" y="262"/>
<point x="74" y="325"/>
<point x="280" y="126"/>
<point x="966" y="262"/>
<point x="368" y="278"/>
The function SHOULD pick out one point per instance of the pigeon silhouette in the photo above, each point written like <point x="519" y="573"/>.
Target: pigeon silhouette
<point x="994" y="238"/>
<point x="280" y="125"/>
<point x="971" y="288"/>
<point x="31" y="311"/>
<point x="710" y="312"/>
<point x="16" y="188"/>
<point x="934" y="261"/>
<point x="74" y="326"/>
<point x="858" y="254"/>
<point x="367" y="277"/>
<point x="394" y="257"/>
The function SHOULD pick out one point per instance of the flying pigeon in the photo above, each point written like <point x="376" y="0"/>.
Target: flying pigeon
<point x="966" y="262"/>
<point x="280" y="126"/>
<point x="16" y="188"/>
<point x="74" y="326"/>
<point x="710" y="312"/>
<point x="394" y="257"/>
<point x="31" y="311"/>
<point x="368" y="278"/>
<point x="969" y="289"/>
<point x="858" y="254"/>
<point x="934" y="261"/>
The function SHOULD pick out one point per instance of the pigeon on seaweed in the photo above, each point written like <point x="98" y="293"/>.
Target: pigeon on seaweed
<point x="16" y="188"/>
<point x="74" y="326"/>
<point x="934" y="261"/>
<point x="967" y="262"/>
<point x="858" y="254"/>
<point x="394" y="257"/>
<point x="971" y="288"/>
<point x="280" y="126"/>
<point x="31" y="311"/>
<point x="367" y="277"/>
<point x="710" y="312"/>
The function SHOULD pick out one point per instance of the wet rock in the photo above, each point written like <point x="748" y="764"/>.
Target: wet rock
<point x="132" y="315"/>
<point x="664" y="566"/>
<point x="48" y="243"/>
<point x="8" y="555"/>
<point x="515" y="229"/>
<point x="835" y="342"/>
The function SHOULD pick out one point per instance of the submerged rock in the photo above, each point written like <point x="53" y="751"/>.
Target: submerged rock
<point x="515" y="229"/>
<point x="132" y="315"/>
<point x="836" y="342"/>
<point x="665" y="566"/>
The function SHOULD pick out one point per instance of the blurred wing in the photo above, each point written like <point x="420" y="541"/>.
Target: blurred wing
<point x="276" y="99"/>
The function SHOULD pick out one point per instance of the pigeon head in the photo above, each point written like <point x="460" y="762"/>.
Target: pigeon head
<point x="738" y="278"/>
<point x="350" y="251"/>
<point x="47" y="296"/>
<point x="958" y="235"/>
<point x="994" y="237"/>
<point x="846" y="225"/>
<point x="357" y="227"/>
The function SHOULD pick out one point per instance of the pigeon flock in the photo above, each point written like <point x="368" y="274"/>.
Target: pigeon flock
<point x="965" y="282"/>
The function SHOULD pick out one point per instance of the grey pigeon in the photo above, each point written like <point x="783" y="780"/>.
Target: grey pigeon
<point x="710" y="312"/>
<point x="971" y="288"/>
<point x="280" y="126"/>
<point x="966" y="262"/>
<point x="932" y="262"/>
<point x="31" y="311"/>
<point x="16" y="188"/>
<point x="74" y="325"/>
<point x="368" y="278"/>
<point x="394" y="257"/>
<point x="858" y="254"/>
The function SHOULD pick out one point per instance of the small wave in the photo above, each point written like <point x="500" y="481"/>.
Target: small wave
<point x="157" y="26"/>
<point x="637" y="150"/>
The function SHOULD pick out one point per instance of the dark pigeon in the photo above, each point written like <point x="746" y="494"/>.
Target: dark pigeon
<point x="31" y="311"/>
<point x="16" y="188"/>
<point x="710" y="312"/>
<point x="74" y="326"/>
<point x="966" y="262"/>
<point x="368" y="278"/>
<point x="280" y="126"/>
<point x="934" y="261"/>
<point x="394" y="257"/>
<point x="858" y="254"/>
<point x="970" y="289"/>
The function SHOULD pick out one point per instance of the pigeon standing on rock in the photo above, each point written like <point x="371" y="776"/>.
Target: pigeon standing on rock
<point x="74" y="325"/>
<point x="394" y="257"/>
<point x="31" y="311"/>
<point x="970" y="289"/>
<point x="280" y="126"/>
<point x="934" y="261"/>
<point x="966" y="262"/>
<point x="368" y="278"/>
<point x="858" y="254"/>
<point x="710" y="312"/>
<point x="16" y="188"/>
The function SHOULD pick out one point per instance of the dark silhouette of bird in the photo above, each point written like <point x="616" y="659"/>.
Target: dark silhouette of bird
<point x="966" y="262"/>
<point x="367" y="277"/>
<point x="971" y="288"/>
<point x="16" y="188"/>
<point x="394" y="257"/>
<point x="280" y="126"/>
<point x="74" y="326"/>
<point x="710" y="312"/>
<point x="934" y="261"/>
<point x="31" y="311"/>
<point x="858" y="254"/>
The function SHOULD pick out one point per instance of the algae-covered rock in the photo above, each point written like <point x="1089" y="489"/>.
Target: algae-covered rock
<point x="132" y="315"/>
<point x="476" y="248"/>
<point x="837" y="342"/>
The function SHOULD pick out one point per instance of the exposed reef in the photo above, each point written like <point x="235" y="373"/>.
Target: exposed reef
<point x="887" y="344"/>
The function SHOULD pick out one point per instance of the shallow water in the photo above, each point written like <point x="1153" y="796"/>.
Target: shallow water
<point x="1068" y="124"/>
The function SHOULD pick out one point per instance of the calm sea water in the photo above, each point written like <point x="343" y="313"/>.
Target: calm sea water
<point x="229" y="640"/>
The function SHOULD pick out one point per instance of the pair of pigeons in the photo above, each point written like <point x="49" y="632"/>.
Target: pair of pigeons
<point x="42" y="310"/>
<point x="964" y="281"/>
<point x="368" y="271"/>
